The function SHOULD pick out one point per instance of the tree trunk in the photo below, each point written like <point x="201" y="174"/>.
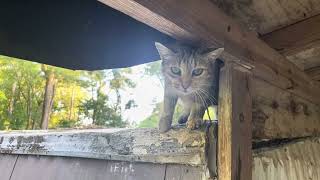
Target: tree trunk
<point x="37" y="110"/>
<point x="12" y="99"/>
<point x="71" y="115"/>
<point x="96" y="108"/>
<point x="118" y="104"/>
<point x="48" y="99"/>
<point x="29" y="107"/>
<point x="94" y="115"/>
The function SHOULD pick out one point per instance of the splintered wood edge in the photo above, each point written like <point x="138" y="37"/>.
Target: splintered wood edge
<point x="178" y="146"/>
<point x="297" y="159"/>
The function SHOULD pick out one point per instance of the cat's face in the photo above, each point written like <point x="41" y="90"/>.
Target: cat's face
<point x="187" y="71"/>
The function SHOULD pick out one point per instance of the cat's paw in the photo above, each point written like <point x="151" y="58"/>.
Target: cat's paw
<point x="164" y="125"/>
<point x="194" y="123"/>
<point x="183" y="119"/>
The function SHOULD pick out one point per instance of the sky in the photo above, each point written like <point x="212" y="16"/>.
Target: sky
<point x="147" y="93"/>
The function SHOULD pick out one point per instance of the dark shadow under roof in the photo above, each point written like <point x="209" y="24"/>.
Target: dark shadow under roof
<point x="75" y="34"/>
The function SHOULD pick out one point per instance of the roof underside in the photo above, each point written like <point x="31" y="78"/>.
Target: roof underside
<point x="90" y="35"/>
<point x="291" y="27"/>
<point x="75" y="34"/>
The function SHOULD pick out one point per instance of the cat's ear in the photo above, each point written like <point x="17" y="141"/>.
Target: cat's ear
<point x="163" y="51"/>
<point x="212" y="55"/>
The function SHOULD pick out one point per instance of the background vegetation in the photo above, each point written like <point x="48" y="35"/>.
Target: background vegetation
<point x="38" y="96"/>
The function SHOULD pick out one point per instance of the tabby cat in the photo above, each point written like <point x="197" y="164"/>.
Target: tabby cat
<point x="192" y="76"/>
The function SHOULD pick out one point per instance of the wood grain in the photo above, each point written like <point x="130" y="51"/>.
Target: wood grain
<point x="234" y="129"/>
<point x="268" y="15"/>
<point x="280" y="114"/>
<point x="201" y="22"/>
<point x="314" y="73"/>
<point x="295" y="38"/>
<point x="178" y="172"/>
<point x="61" y="168"/>
<point x="7" y="164"/>
<point x="295" y="161"/>
<point x="141" y="145"/>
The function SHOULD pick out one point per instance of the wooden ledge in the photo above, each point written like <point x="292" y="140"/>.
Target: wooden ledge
<point x="179" y="145"/>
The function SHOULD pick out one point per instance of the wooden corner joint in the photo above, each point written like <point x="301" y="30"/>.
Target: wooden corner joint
<point x="237" y="63"/>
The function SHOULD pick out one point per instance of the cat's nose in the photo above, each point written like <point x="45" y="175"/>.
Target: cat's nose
<point x="185" y="84"/>
<point x="185" y="87"/>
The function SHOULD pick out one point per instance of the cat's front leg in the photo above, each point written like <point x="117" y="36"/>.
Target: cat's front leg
<point x="186" y="111"/>
<point x="169" y="105"/>
<point x="196" y="116"/>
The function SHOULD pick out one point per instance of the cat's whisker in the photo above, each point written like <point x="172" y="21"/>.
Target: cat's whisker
<point x="207" y="105"/>
<point x="203" y="102"/>
<point x="199" y="100"/>
<point x="185" y="66"/>
<point x="211" y="98"/>
<point x="209" y="95"/>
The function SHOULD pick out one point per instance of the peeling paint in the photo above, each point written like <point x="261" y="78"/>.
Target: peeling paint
<point x="1" y="140"/>
<point x="179" y="145"/>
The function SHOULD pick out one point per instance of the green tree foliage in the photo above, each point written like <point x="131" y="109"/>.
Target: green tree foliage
<point x="74" y="96"/>
<point x="102" y="85"/>
<point x="153" y="120"/>
<point x="20" y="86"/>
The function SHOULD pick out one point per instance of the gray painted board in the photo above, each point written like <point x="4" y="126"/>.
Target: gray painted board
<point x="6" y="165"/>
<point x="61" y="168"/>
<point x="178" y="172"/>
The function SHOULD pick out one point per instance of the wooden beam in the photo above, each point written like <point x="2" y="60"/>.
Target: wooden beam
<point x="201" y="22"/>
<point x="266" y="74"/>
<point x="314" y="73"/>
<point x="234" y="129"/>
<point x="279" y="114"/>
<point x="295" y="38"/>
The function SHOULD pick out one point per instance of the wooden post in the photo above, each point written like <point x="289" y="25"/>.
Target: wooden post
<point x="234" y="124"/>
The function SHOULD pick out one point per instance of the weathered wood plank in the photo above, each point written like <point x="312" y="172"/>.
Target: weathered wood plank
<point x="61" y="168"/>
<point x="234" y="129"/>
<point x="268" y="15"/>
<point x="203" y="22"/>
<point x="212" y="144"/>
<point x="7" y="164"/>
<point x="280" y="114"/>
<point x="295" y="38"/>
<point x="265" y="73"/>
<point x="141" y="145"/>
<point x="314" y="73"/>
<point x="296" y="161"/>
<point x="308" y="58"/>
<point x="178" y="172"/>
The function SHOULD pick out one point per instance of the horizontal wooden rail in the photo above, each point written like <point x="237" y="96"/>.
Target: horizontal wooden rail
<point x="295" y="38"/>
<point x="179" y="146"/>
<point x="278" y="113"/>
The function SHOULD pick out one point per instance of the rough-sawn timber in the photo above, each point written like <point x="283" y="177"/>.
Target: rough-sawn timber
<point x="179" y="146"/>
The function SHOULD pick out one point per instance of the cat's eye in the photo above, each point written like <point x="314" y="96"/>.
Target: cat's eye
<point x="176" y="71"/>
<point x="197" y="72"/>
